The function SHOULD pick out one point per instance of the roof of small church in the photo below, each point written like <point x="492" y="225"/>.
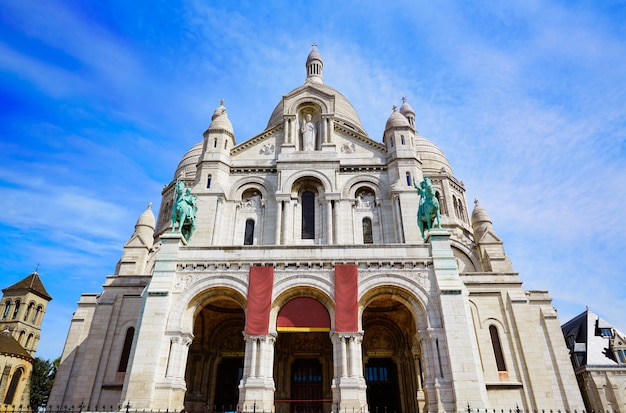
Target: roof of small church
<point x="587" y="330"/>
<point x="10" y="346"/>
<point x="30" y="283"/>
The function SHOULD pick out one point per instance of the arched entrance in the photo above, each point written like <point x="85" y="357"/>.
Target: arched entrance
<point x="215" y="361"/>
<point x="303" y="368"/>
<point x="391" y="357"/>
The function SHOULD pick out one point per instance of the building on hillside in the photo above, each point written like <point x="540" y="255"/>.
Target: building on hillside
<point x="21" y="313"/>
<point x="304" y="284"/>
<point x="598" y="354"/>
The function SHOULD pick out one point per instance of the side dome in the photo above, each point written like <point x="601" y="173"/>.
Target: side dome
<point x="396" y="120"/>
<point x="433" y="159"/>
<point x="187" y="165"/>
<point x="146" y="219"/>
<point x="220" y="121"/>
<point x="405" y="108"/>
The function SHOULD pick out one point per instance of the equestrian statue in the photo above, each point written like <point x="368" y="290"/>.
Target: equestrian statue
<point x="184" y="210"/>
<point x="428" y="211"/>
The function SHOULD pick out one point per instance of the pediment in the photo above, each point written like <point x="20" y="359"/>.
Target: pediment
<point x="490" y="237"/>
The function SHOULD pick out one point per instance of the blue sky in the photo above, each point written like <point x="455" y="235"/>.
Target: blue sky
<point x="100" y="100"/>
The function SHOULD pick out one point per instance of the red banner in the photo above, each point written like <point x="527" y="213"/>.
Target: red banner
<point x="260" y="285"/>
<point x="346" y="298"/>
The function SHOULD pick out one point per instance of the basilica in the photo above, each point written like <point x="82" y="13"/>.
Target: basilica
<point x="287" y="273"/>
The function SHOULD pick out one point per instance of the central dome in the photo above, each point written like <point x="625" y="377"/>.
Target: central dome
<point x="344" y="111"/>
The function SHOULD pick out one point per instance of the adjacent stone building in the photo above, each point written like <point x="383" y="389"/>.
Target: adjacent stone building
<point x="598" y="354"/>
<point x="21" y="313"/>
<point x="307" y="286"/>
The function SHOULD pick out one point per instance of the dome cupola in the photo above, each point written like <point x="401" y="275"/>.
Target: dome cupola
<point x="407" y="111"/>
<point x="314" y="67"/>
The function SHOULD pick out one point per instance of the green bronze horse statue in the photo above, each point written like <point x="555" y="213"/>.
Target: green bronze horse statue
<point x="428" y="211"/>
<point x="184" y="210"/>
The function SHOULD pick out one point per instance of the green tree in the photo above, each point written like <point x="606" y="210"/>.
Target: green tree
<point x="41" y="381"/>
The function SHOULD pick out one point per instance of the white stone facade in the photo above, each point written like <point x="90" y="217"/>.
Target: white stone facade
<point x="442" y="322"/>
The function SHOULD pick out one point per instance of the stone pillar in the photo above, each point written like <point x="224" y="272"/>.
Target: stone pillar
<point x="279" y="218"/>
<point x="149" y="384"/>
<point x="349" y="388"/>
<point x="329" y="222"/>
<point x="256" y="390"/>
<point x="458" y="351"/>
<point x="218" y="213"/>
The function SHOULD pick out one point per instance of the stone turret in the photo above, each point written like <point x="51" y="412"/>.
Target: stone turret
<point x="314" y="66"/>
<point x="490" y="246"/>
<point x="136" y="250"/>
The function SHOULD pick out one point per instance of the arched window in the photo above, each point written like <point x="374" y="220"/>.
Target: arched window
<point x="30" y="307"/>
<point x="208" y="181"/>
<point x="36" y="315"/>
<point x="7" y="306"/>
<point x="442" y="205"/>
<point x="15" y="380"/>
<point x="248" y="238"/>
<point x="308" y="215"/>
<point x="408" y="179"/>
<point x="497" y="348"/>
<point x="402" y="139"/>
<point x="368" y="238"/>
<point x="29" y="341"/>
<point x="128" y="342"/>
<point x="16" y="309"/>
<point x="21" y="338"/>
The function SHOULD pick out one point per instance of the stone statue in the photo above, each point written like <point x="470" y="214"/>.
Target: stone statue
<point x="428" y="210"/>
<point x="184" y="210"/>
<point x="308" y="134"/>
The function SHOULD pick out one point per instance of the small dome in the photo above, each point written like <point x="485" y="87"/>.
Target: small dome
<point x="396" y="120"/>
<point x="220" y="120"/>
<point x="481" y="222"/>
<point x="189" y="161"/>
<point x="406" y="109"/>
<point x="146" y="219"/>
<point x="314" y="55"/>
<point x="433" y="159"/>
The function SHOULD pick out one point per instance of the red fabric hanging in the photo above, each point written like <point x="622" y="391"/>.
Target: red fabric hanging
<point x="346" y="298"/>
<point x="303" y="314"/>
<point x="260" y="285"/>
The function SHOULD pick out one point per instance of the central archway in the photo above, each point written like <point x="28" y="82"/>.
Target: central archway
<point x="303" y="369"/>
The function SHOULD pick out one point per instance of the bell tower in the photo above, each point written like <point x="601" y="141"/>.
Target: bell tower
<point x="23" y="307"/>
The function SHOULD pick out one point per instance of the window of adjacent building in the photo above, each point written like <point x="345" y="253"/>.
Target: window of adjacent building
<point x="30" y="307"/>
<point x="605" y="332"/>
<point x="128" y="342"/>
<point x="497" y="348"/>
<point x="15" y="380"/>
<point x="36" y="315"/>
<point x="308" y="215"/>
<point x="16" y="309"/>
<point x="620" y="356"/>
<point x="368" y="238"/>
<point x="7" y="307"/>
<point x="248" y="238"/>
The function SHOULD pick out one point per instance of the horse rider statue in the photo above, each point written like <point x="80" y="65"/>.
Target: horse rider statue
<point x="428" y="210"/>
<point x="184" y="210"/>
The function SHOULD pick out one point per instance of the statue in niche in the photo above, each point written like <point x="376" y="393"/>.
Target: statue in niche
<point x="308" y="131"/>
<point x="251" y="203"/>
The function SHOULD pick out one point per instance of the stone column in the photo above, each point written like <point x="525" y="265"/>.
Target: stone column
<point x="349" y="388"/>
<point x="329" y="222"/>
<point x="279" y="218"/>
<point x="256" y="391"/>
<point x="458" y="350"/>
<point x="218" y="212"/>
